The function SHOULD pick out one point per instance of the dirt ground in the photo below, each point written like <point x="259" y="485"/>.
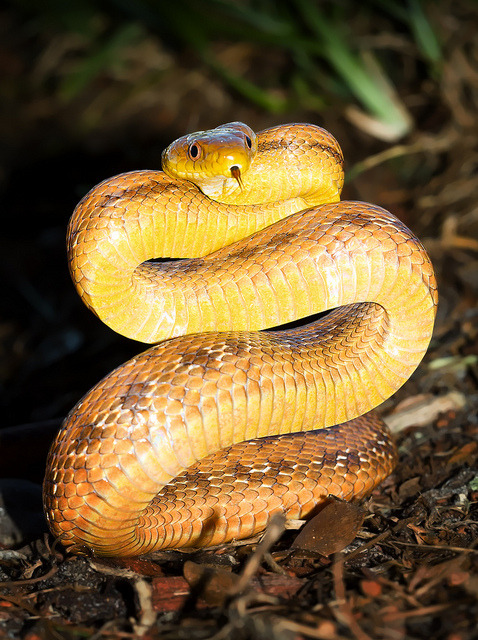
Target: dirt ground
<point x="403" y="564"/>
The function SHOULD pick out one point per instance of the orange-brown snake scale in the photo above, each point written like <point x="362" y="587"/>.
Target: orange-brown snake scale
<point x="174" y="447"/>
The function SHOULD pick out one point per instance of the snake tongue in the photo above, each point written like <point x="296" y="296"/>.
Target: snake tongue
<point x="236" y="173"/>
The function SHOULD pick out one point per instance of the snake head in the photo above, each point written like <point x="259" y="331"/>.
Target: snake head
<point x="212" y="159"/>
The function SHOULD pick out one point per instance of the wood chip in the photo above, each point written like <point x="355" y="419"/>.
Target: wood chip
<point x="423" y="409"/>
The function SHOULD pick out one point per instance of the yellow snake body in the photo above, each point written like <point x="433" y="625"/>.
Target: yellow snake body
<point x="123" y="475"/>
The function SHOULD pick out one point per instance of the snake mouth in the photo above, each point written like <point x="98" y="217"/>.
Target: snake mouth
<point x="236" y="174"/>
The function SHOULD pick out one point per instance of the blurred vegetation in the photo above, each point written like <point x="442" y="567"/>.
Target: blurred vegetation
<point x="279" y="55"/>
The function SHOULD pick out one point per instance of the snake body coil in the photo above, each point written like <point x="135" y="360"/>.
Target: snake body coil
<point x="123" y="475"/>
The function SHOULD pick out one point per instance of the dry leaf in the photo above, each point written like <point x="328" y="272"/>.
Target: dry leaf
<point x="332" y="529"/>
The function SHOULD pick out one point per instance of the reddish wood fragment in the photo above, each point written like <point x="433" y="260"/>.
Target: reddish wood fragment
<point x="371" y="588"/>
<point x="326" y="629"/>
<point x="465" y="454"/>
<point x="169" y="593"/>
<point x="141" y="566"/>
<point x="458" y="577"/>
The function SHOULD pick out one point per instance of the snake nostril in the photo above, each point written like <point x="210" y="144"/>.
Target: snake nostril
<point x="248" y="142"/>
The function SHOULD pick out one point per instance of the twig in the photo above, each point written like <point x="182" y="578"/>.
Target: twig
<point x="147" y="614"/>
<point x="275" y="566"/>
<point x="422" y="144"/>
<point x="342" y="604"/>
<point x="381" y="536"/>
<point x="424" y="611"/>
<point x="19" y="603"/>
<point x="50" y="573"/>
<point x="430" y="547"/>
<point x="326" y="633"/>
<point x="272" y="534"/>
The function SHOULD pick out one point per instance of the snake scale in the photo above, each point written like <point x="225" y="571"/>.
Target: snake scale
<point x="174" y="448"/>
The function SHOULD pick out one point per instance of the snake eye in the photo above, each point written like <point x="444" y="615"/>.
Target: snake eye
<point x="194" y="151"/>
<point x="248" y="142"/>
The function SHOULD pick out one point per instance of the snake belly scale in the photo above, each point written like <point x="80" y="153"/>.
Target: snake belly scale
<point x="174" y="448"/>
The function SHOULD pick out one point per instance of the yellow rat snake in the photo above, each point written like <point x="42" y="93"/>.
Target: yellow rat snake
<point x="174" y="447"/>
